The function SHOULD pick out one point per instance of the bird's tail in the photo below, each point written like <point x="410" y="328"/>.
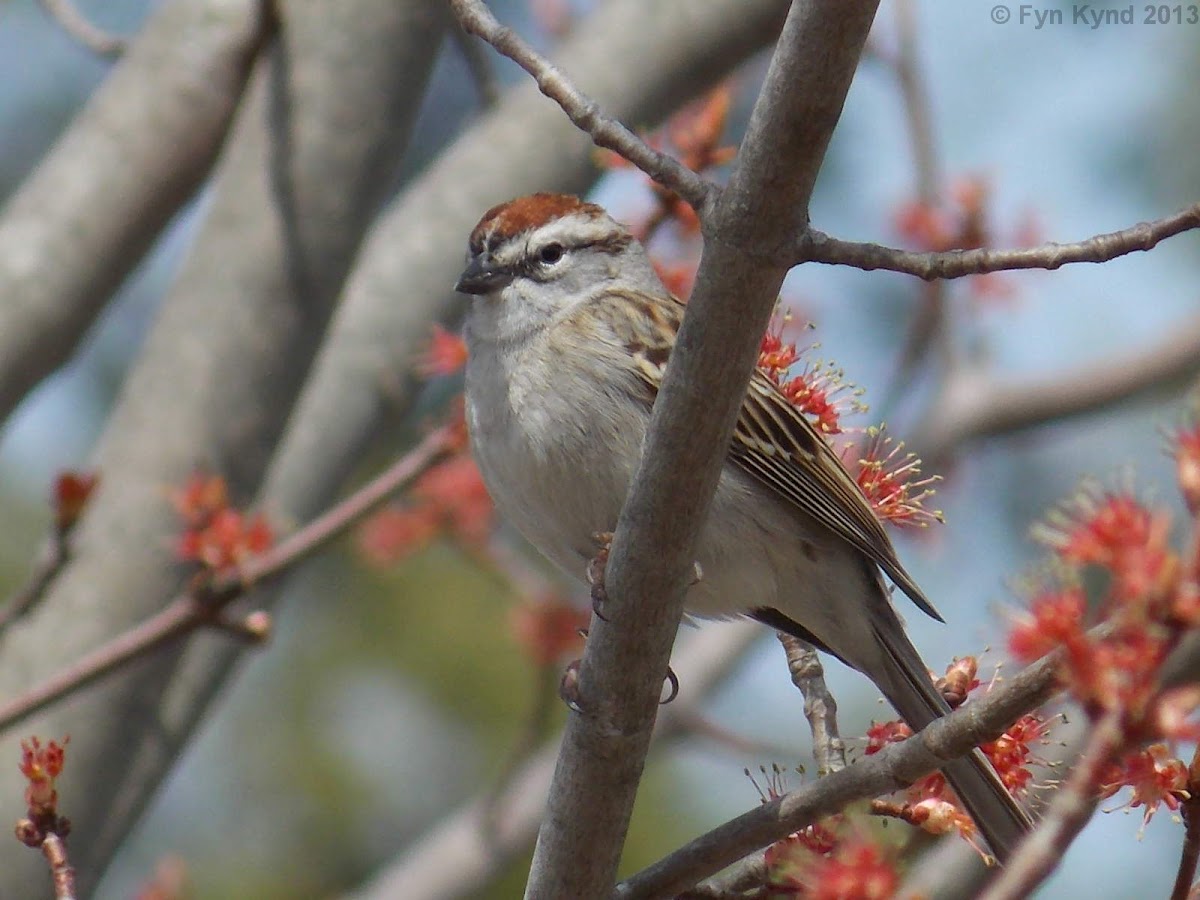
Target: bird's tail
<point x="907" y="686"/>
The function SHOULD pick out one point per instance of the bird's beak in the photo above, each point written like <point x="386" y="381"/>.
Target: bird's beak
<point x="481" y="276"/>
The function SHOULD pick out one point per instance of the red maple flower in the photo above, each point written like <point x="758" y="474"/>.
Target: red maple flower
<point x="1186" y="443"/>
<point x="813" y="393"/>
<point x="880" y="734"/>
<point x="856" y="870"/>
<point x="228" y="539"/>
<point x="215" y="534"/>
<point x="830" y="861"/>
<point x="456" y="489"/>
<point x="201" y="497"/>
<point x="1157" y="779"/>
<point x="891" y="481"/>
<point x="1012" y="753"/>
<point x="1116" y="531"/>
<point x="548" y="627"/>
<point x="394" y="533"/>
<point x="776" y="355"/>
<point x="450" y="497"/>
<point x="447" y="354"/>
<point x="1054" y="619"/>
<point x="72" y="490"/>
<point x="41" y="765"/>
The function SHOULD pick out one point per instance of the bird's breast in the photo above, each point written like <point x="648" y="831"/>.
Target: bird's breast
<point x="556" y="451"/>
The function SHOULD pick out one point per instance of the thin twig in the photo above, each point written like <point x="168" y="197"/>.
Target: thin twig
<point x="70" y="496"/>
<point x="188" y="612"/>
<point x="745" y="881"/>
<point x="815" y="246"/>
<point x="1190" y="855"/>
<point x="91" y="36"/>
<point x="974" y="406"/>
<point x="929" y="324"/>
<point x="896" y="766"/>
<point x="906" y="64"/>
<point x="820" y="708"/>
<point x="475" y="18"/>
<point x="479" y="67"/>
<point x="731" y="741"/>
<point x="55" y="554"/>
<point x="62" y="873"/>
<point x="1040" y="853"/>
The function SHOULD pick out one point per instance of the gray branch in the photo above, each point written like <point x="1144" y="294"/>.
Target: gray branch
<point x="973" y="405"/>
<point x="79" y="27"/>
<point x="747" y="233"/>
<point x="135" y="155"/>
<point x="815" y="246"/>
<point x="584" y="112"/>
<point x="326" y="117"/>
<point x="820" y="707"/>
<point x="893" y="768"/>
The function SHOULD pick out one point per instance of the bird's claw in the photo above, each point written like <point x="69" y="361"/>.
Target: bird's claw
<point x="568" y="687"/>
<point x="595" y="573"/>
<point x="673" y="681"/>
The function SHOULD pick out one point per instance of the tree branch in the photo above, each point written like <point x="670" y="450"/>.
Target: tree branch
<point x="50" y="560"/>
<point x="62" y="873"/>
<point x="973" y="405"/>
<point x="127" y="164"/>
<point x="820" y="707"/>
<point x="625" y="659"/>
<point x="216" y="379"/>
<point x="895" y="767"/>
<point x="815" y="246"/>
<point x="929" y="324"/>
<point x="479" y="67"/>
<point x="91" y="36"/>
<point x="584" y="112"/>
<point x="197" y="609"/>
<point x="1189" y="856"/>
<point x="1040" y="853"/>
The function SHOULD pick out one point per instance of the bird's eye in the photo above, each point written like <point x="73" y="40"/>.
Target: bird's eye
<point x="551" y="253"/>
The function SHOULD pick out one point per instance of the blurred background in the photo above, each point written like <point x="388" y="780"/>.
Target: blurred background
<point x="389" y="694"/>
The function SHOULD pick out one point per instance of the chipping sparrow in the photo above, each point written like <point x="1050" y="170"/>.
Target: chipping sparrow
<point x="568" y="337"/>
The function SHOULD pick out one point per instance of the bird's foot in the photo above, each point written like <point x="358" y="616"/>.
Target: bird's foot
<point x="595" y="573"/>
<point x="568" y="685"/>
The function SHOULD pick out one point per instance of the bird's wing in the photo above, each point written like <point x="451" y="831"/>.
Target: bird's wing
<point x="772" y="441"/>
<point x="777" y="444"/>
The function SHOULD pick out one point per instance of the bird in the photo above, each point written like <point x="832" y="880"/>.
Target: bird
<point x="569" y="332"/>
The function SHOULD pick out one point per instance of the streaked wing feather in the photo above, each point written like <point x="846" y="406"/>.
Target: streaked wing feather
<point x="776" y="443"/>
<point x="773" y="441"/>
